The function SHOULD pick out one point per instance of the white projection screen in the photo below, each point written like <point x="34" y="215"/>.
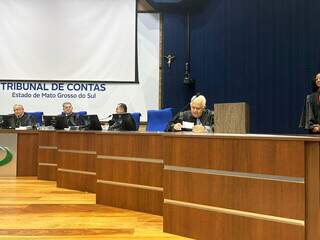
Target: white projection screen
<point x="68" y="40"/>
<point x="139" y="97"/>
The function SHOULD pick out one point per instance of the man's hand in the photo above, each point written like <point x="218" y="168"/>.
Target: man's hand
<point x="198" y="129"/>
<point x="177" y="127"/>
<point x="316" y="128"/>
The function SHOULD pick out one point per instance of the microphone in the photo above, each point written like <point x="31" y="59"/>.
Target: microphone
<point x="194" y="97"/>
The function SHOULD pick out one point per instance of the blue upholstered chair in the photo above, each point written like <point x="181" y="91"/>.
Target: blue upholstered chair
<point x="158" y="119"/>
<point x="136" y="116"/>
<point x="37" y="116"/>
<point x="81" y="113"/>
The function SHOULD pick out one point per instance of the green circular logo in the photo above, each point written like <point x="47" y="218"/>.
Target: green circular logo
<point x="7" y="156"/>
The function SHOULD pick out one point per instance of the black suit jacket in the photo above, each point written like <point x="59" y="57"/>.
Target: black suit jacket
<point x="310" y="115"/>
<point x="25" y="120"/>
<point x="125" y="123"/>
<point x="206" y="119"/>
<point x="72" y="119"/>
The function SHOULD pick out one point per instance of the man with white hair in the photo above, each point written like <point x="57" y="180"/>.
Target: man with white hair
<point x="198" y="119"/>
<point x="20" y="118"/>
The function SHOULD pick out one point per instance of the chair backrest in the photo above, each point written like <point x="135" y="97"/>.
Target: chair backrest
<point x="158" y="119"/>
<point x="136" y="116"/>
<point x="231" y="118"/>
<point x="81" y="113"/>
<point x="37" y="116"/>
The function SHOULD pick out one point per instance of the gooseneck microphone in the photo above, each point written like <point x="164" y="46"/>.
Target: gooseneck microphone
<point x="187" y="105"/>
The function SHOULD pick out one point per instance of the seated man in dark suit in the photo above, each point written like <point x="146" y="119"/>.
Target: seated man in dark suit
<point x="20" y="118"/>
<point x="198" y="119"/>
<point x="122" y="121"/>
<point x="71" y="117"/>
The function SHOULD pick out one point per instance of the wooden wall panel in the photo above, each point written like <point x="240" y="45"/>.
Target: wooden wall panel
<point x="76" y="141"/>
<point x="143" y="200"/>
<point x="274" y="157"/>
<point x="129" y="179"/>
<point x="47" y="172"/>
<point x="129" y="171"/>
<point x="202" y="224"/>
<point x="143" y="173"/>
<point x="237" y="187"/>
<point x="76" y="181"/>
<point x="47" y="155"/>
<point x="276" y="198"/>
<point x="312" y="190"/>
<point x="47" y="138"/>
<point x="77" y="161"/>
<point x="27" y="164"/>
<point x="141" y="145"/>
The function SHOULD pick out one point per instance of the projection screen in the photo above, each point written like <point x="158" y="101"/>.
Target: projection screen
<point x="68" y="40"/>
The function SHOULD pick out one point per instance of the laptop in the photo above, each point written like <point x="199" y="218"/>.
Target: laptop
<point x="90" y="122"/>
